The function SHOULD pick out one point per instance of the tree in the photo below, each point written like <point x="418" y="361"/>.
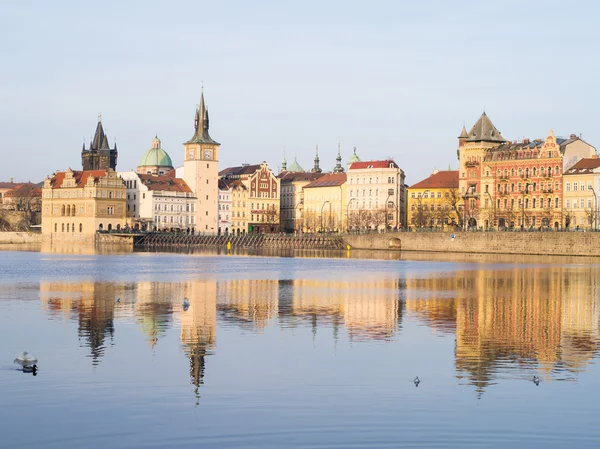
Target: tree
<point x="589" y="216"/>
<point x="379" y="217"/>
<point x="455" y="201"/>
<point x="567" y="216"/>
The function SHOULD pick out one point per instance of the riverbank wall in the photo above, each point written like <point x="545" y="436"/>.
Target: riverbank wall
<point x="531" y="243"/>
<point x="15" y="238"/>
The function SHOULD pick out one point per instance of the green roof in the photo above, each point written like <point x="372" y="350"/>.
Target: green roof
<point x="354" y="157"/>
<point x="295" y="167"/>
<point x="156" y="157"/>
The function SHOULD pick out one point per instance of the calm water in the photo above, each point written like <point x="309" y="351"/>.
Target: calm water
<point x="281" y="352"/>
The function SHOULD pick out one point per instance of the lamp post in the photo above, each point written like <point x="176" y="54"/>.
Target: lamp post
<point x="465" y="198"/>
<point x="322" y="214"/>
<point x="301" y="203"/>
<point x="595" y="207"/>
<point x="492" y="205"/>
<point x="348" y="215"/>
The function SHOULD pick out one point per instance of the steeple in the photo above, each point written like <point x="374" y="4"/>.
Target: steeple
<point x="201" y="124"/>
<point x="283" y="162"/>
<point x="99" y="156"/>
<point x="316" y="168"/>
<point x="463" y="136"/>
<point x="338" y="162"/>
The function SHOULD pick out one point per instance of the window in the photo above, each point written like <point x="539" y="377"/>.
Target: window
<point x="574" y="187"/>
<point x="80" y="227"/>
<point x="567" y="204"/>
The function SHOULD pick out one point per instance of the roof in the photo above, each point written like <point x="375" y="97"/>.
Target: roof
<point x="8" y="185"/>
<point x="24" y="190"/>
<point x="156" y="157"/>
<point x="239" y="170"/>
<point x="288" y="176"/>
<point x="328" y="180"/>
<point x="584" y="166"/>
<point x="223" y="185"/>
<point x="354" y="157"/>
<point x="201" y="125"/>
<point x="166" y="183"/>
<point x="444" y="179"/>
<point x="81" y="177"/>
<point x="295" y="167"/>
<point x="373" y="164"/>
<point x="484" y="131"/>
<point x="510" y="150"/>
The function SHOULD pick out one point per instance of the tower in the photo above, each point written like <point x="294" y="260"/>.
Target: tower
<point x="99" y="156"/>
<point x="316" y="168"/>
<point x="338" y="162"/>
<point x="284" y="162"/>
<point x="201" y="171"/>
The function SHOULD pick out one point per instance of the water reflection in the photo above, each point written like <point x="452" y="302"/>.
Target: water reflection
<point x="507" y="322"/>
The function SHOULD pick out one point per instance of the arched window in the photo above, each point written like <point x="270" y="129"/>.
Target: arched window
<point x="73" y="210"/>
<point x="80" y="227"/>
<point x="100" y="227"/>
<point x="534" y="203"/>
<point x="556" y="202"/>
<point x="556" y="170"/>
<point x="110" y="227"/>
<point x="62" y="210"/>
<point x="55" y="227"/>
<point x="534" y="171"/>
<point x="67" y="227"/>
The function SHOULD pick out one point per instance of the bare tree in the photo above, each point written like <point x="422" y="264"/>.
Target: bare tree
<point x="589" y="216"/>
<point x="379" y="217"/>
<point x="455" y="200"/>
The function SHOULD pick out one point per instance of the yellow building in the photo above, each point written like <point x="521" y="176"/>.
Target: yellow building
<point x="292" y="205"/>
<point x="435" y="201"/>
<point x="325" y="205"/>
<point x="580" y="190"/>
<point x="76" y="204"/>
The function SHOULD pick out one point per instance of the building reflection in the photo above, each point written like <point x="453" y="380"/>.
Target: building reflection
<point x="541" y="319"/>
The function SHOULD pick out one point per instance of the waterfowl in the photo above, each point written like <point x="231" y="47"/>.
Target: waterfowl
<point x="417" y="381"/>
<point x="185" y="304"/>
<point x="30" y="369"/>
<point x="118" y="300"/>
<point x="24" y="359"/>
<point x="536" y="380"/>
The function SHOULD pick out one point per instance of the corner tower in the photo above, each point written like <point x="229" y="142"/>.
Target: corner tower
<point x="99" y="156"/>
<point x="201" y="171"/>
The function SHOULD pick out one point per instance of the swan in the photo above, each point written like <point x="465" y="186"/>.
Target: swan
<point x="24" y="359"/>
<point x="536" y="380"/>
<point x="417" y="381"/>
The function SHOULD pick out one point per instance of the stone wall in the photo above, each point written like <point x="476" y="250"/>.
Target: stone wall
<point x="112" y="239"/>
<point x="535" y="243"/>
<point x="20" y="237"/>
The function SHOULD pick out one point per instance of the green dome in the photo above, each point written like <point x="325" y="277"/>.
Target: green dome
<point x="156" y="156"/>
<point x="354" y="157"/>
<point x="295" y="167"/>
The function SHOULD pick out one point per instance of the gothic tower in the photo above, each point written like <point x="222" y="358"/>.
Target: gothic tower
<point x="99" y="156"/>
<point x="201" y="171"/>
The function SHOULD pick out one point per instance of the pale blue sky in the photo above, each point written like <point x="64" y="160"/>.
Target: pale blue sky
<point x="394" y="78"/>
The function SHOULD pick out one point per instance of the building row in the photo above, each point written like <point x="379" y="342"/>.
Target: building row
<point x="551" y="183"/>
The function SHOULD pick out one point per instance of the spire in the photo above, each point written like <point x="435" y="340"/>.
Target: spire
<point x="283" y="162"/>
<point x="338" y="162"/>
<point x="463" y="133"/>
<point x="201" y="124"/>
<point x="99" y="136"/>
<point x="316" y="168"/>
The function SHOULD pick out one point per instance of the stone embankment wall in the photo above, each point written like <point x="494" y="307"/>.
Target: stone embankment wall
<point x="534" y="243"/>
<point x="112" y="239"/>
<point x="20" y="237"/>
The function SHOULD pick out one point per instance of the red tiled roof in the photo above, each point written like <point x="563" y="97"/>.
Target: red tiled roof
<point x="24" y="190"/>
<point x="330" y="179"/>
<point x="444" y="179"/>
<point x="80" y="176"/>
<point x="373" y="164"/>
<point x="239" y="170"/>
<point x="164" y="182"/>
<point x="584" y="166"/>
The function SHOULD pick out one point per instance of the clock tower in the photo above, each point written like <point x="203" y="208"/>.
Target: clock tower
<point x="201" y="172"/>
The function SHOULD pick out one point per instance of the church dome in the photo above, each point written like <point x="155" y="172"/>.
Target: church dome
<point x="156" y="156"/>
<point x="354" y="157"/>
<point x="295" y="167"/>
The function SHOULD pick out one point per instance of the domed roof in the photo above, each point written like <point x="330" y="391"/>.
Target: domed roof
<point x="295" y="167"/>
<point x="354" y="157"/>
<point x="156" y="156"/>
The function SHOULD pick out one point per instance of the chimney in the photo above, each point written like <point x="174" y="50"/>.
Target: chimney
<point x="573" y="136"/>
<point x="435" y="171"/>
<point x="525" y="141"/>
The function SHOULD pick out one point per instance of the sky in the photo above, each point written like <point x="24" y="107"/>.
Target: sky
<point x="394" y="78"/>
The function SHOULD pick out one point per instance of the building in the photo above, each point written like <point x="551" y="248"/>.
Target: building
<point x="263" y="190"/>
<point x="507" y="184"/>
<point x="580" y="194"/>
<point x="155" y="161"/>
<point x="435" y="201"/>
<point x="325" y="204"/>
<point x="23" y="197"/>
<point x="291" y="205"/>
<point x="76" y="204"/>
<point x="376" y="195"/>
<point x="239" y="208"/>
<point x="6" y="186"/>
<point x="159" y="202"/>
<point x="99" y="155"/>
<point x="224" y="207"/>
<point x="201" y="171"/>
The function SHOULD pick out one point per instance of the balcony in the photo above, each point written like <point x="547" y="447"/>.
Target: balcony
<point x="547" y="190"/>
<point x="471" y="164"/>
<point x="503" y="178"/>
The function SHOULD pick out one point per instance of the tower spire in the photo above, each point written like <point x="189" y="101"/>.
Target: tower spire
<point x="284" y="161"/>
<point x="316" y="168"/>
<point x="338" y="161"/>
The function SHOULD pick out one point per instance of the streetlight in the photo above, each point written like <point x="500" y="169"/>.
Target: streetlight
<point x="471" y="188"/>
<point x="348" y="215"/>
<point x="322" y="214"/>
<point x="301" y="203"/>
<point x="595" y="207"/>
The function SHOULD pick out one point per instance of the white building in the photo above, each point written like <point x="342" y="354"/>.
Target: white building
<point x="159" y="202"/>
<point x="224" y="208"/>
<point x="376" y="195"/>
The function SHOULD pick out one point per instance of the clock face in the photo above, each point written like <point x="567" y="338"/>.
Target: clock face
<point x="207" y="155"/>
<point x="191" y="153"/>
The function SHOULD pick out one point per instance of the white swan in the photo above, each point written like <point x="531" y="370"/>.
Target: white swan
<point x="24" y="359"/>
